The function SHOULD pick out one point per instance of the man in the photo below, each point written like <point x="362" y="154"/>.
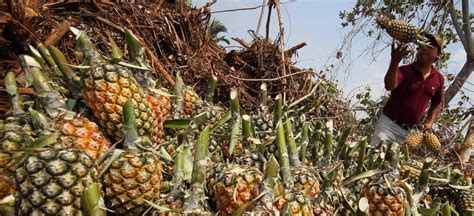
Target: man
<point x="412" y="88"/>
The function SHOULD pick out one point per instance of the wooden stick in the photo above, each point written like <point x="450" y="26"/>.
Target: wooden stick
<point x="160" y="67"/>
<point x="282" y="46"/>
<point x="294" y="48"/>
<point x="241" y="42"/>
<point x="54" y="37"/>
<point x="270" y="79"/>
<point x="267" y="26"/>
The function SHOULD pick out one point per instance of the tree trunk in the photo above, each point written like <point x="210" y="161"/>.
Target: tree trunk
<point x="461" y="78"/>
<point x="466" y="147"/>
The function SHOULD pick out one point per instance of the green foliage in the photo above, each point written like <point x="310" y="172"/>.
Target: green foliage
<point x="429" y="16"/>
<point x="215" y="29"/>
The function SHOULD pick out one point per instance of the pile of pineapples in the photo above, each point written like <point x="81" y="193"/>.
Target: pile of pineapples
<point x="103" y="138"/>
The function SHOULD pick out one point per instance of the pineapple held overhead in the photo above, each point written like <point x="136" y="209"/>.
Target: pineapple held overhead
<point x="402" y="31"/>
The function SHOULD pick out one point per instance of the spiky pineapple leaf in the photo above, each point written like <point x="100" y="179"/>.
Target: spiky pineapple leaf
<point x="115" y="155"/>
<point x="125" y="64"/>
<point x="177" y="123"/>
<point x="188" y="164"/>
<point x="222" y="121"/>
<point x="235" y="133"/>
<point x="363" y="175"/>
<point x="116" y="53"/>
<point x="10" y="83"/>
<point x="157" y="207"/>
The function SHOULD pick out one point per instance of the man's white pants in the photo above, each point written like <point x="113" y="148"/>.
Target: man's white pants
<point x="388" y="131"/>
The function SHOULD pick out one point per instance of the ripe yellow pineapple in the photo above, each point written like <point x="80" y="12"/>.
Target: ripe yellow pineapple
<point x="414" y="139"/>
<point x="383" y="201"/>
<point x="191" y="99"/>
<point x="76" y="131"/>
<point x="402" y="31"/>
<point x="106" y="87"/>
<point x="136" y="175"/>
<point x="412" y="173"/>
<point x="432" y="142"/>
<point x="295" y="203"/>
<point x="231" y="185"/>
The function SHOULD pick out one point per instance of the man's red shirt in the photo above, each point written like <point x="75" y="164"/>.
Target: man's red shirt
<point x="408" y="101"/>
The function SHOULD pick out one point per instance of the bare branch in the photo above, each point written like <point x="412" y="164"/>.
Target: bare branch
<point x="467" y="29"/>
<point x="457" y="25"/>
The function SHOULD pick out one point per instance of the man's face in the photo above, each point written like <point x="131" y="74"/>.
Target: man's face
<point x="427" y="54"/>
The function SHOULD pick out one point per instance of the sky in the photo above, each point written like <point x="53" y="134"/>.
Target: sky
<point x="317" y="23"/>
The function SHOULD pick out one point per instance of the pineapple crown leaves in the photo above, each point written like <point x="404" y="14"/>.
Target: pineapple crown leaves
<point x="92" y="55"/>
<point x="201" y="150"/>
<point x="50" y="98"/>
<point x="136" y="51"/>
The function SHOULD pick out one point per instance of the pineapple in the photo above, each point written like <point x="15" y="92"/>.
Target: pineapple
<point x="432" y="142"/>
<point x="464" y="200"/>
<point x="383" y="201"/>
<point x="384" y="195"/>
<point x="294" y="204"/>
<point x="135" y="176"/>
<point x="106" y="87"/>
<point x="191" y="101"/>
<point x="414" y="139"/>
<point x="230" y="186"/>
<point x="51" y="181"/>
<point x="411" y="173"/>
<point x="6" y="184"/>
<point x="14" y="136"/>
<point x="76" y="131"/>
<point x="402" y="31"/>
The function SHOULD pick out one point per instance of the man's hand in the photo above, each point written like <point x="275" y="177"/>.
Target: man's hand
<point x="426" y="126"/>
<point x="399" y="52"/>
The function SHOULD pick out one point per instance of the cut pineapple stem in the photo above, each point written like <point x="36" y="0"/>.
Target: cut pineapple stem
<point x="178" y="96"/>
<point x="304" y="144"/>
<point x="201" y="151"/>
<point x="48" y="58"/>
<point x="424" y="176"/>
<point x="178" y="170"/>
<point x="284" y="160"/>
<point x="263" y="94"/>
<point x="36" y="54"/>
<point x="292" y="149"/>
<point x="361" y="156"/>
<point x="342" y="149"/>
<point x="61" y="62"/>
<point x="12" y="89"/>
<point x="129" y="125"/>
<point x="278" y="110"/>
<point x="91" y="201"/>
<point x="328" y="143"/>
<point x="247" y="132"/>
<point x="211" y="90"/>
<point x="234" y="101"/>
